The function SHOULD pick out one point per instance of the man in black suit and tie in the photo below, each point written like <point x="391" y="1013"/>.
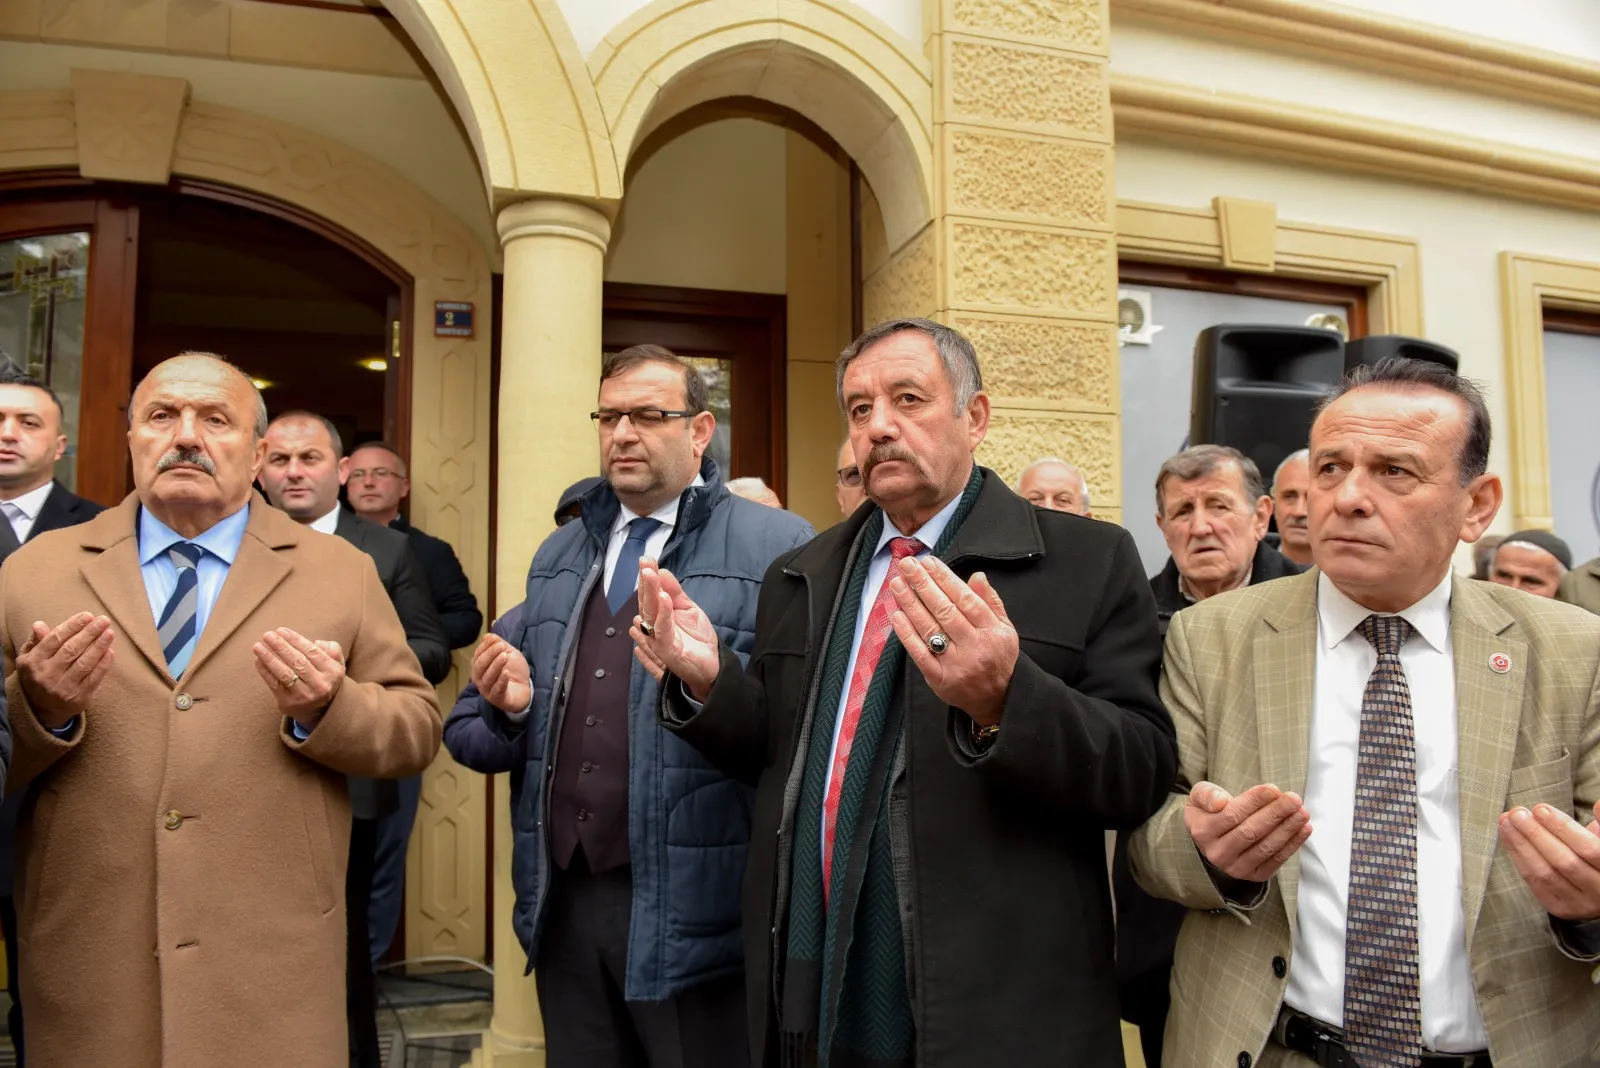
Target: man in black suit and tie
<point x="31" y="501"/>
<point x="304" y="469"/>
<point x="375" y="484"/>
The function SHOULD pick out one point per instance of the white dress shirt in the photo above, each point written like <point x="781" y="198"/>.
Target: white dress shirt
<point x="328" y="524"/>
<point x="877" y="573"/>
<point x="23" y="511"/>
<point x="667" y="515"/>
<point x="1345" y="659"/>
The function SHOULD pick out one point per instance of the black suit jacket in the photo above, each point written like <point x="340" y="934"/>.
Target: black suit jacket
<point x="413" y="602"/>
<point x="1003" y="880"/>
<point x="452" y="594"/>
<point x="62" y="508"/>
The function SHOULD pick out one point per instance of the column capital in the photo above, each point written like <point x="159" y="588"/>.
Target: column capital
<point x="553" y="217"/>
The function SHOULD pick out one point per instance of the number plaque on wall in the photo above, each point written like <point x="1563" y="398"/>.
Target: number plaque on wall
<point x="452" y="318"/>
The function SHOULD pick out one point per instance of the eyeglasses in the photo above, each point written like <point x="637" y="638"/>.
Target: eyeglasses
<point x="641" y="418"/>
<point x="849" y="477"/>
<point x="376" y="473"/>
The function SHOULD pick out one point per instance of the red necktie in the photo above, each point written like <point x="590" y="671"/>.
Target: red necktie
<point x="873" y="638"/>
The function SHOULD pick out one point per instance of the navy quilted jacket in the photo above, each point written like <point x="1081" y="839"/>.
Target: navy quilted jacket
<point x="688" y="824"/>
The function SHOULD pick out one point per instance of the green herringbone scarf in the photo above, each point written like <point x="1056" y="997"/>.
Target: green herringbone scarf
<point x="844" y="981"/>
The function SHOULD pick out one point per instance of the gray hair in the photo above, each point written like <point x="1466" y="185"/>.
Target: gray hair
<point x="1201" y="460"/>
<point x="748" y="486"/>
<point x="1298" y="454"/>
<point x="955" y="352"/>
<point x="312" y="417"/>
<point x="261" y="402"/>
<point x="1083" y="483"/>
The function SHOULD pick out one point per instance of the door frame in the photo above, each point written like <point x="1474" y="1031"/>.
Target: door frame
<point x="636" y="314"/>
<point x="103" y="470"/>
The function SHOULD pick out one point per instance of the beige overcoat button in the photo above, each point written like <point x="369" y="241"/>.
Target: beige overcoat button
<point x="174" y="820"/>
<point x="184" y="702"/>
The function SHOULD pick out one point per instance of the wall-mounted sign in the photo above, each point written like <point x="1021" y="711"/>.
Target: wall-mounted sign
<point x="452" y="318"/>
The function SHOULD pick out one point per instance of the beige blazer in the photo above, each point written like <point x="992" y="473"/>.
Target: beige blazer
<point x="1238" y="679"/>
<point x="181" y="859"/>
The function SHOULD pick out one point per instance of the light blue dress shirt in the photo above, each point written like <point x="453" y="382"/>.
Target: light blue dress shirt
<point x="221" y="544"/>
<point x="877" y="573"/>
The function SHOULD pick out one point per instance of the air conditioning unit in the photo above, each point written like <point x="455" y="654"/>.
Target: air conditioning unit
<point x="1133" y="317"/>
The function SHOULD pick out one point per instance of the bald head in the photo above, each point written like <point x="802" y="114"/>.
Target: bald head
<point x="195" y="430"/>
<point x="1055" y="485"/>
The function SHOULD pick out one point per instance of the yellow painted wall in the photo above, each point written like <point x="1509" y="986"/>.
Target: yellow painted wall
<point x="707" y="211"/>
<point x="404" y="123"/>
<point x="1461" y="236"/>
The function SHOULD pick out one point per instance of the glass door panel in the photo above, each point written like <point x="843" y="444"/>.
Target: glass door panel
<point x="43" y="305"/>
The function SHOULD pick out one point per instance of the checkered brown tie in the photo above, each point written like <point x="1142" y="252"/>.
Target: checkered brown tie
<point x="1382" y="999"/>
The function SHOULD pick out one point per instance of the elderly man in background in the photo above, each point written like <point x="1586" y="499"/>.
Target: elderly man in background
<point x="1483" y="555"/>
<point x="927" y="870"/>
<point x="1441" y="736"/>
<point x="1531" y="560"/>
<point x="1291" y="484"/>
<point x="1213" y="512"/>
<point x="752" y="488"/>
<point x="1056" y="485"/>
<point x="187" y="731"/>
<point x="849" y="489"/>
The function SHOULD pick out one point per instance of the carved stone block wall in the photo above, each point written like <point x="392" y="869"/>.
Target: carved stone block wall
<point x="1025" y="256"/>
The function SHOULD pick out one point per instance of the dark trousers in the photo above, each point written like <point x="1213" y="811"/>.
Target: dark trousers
<point x="580" y="973"/>
<point x="8" y="924"/>
<point x="361" y="989"/>
<point x="1145" y="1000"/>
<point x="389" y="871"/>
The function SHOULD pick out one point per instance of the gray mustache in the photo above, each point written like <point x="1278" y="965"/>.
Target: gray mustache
<point x="193" y="457"/>
<point x="883" y="453"/>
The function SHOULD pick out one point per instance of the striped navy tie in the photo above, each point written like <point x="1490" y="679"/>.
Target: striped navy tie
<point x="177" y="626"/>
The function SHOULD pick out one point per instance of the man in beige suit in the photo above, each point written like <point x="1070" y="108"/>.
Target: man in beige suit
<point x="193" y="676"/>
<point x="1380" y="768"/>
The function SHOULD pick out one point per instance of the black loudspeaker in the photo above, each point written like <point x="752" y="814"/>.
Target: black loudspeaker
<point x="1369" y="350"/>
<point x="1256" y="388"/>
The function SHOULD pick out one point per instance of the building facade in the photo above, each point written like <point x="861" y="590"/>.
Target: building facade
<point x="431" y="218"/>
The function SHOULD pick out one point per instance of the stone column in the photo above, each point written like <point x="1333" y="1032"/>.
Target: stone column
<point x="549" y="372"/>
<point x="1021" y="253"/>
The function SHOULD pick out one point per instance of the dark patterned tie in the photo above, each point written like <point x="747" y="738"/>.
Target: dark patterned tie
<point x="1382" y="1002"/>
<point x="176" y="628"/>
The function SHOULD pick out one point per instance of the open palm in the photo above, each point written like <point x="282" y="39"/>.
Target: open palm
<point x="682" y="639"/>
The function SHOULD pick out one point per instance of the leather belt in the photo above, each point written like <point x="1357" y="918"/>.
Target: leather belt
<point x="1324" y="1044"/>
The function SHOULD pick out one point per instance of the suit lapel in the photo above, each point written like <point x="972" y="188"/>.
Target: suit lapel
<point x="54" y="513"/>
<point x="114" y="576"/>
<point x="255" y="573"/>
<point x="1284" y="658"/>
<point x="1488" y="710"/>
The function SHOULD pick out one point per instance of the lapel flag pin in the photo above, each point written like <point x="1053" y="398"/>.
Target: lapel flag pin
<point x="1500" y="663"/>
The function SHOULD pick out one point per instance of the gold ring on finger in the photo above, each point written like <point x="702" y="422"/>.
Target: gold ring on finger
<point x="294" y="677"/>
<point x="647" y="629"/>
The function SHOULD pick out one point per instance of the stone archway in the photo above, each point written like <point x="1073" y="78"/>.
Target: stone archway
<point x="828" y="61"/>
<point x="143" y="128"/>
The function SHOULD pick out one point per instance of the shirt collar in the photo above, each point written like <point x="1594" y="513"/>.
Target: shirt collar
<point x="221" y="539"/>
<point x="1339" y="615"/>
<point x="667" y="514"/>
<point x="328" y="524"/>
<point x="30" y="503"/>
<point x="928" y="534"/>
